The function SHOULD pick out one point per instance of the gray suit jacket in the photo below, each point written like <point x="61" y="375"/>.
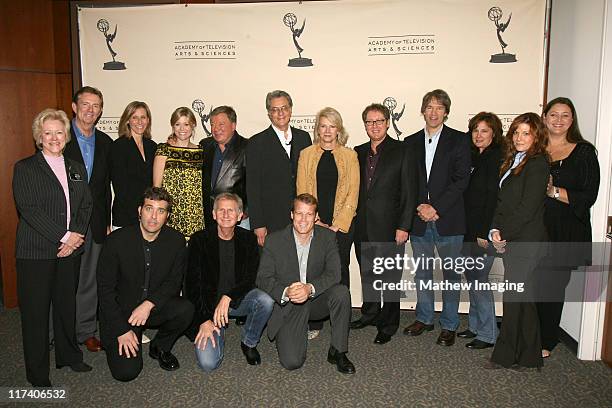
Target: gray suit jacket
<point x="279" y="268"/>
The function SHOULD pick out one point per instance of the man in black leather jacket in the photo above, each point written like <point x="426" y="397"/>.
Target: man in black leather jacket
<point x="224" y="166"/>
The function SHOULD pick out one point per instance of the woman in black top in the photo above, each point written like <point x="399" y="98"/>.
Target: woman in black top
<point x="519" y="233"/>
<point x="572" y="191"/>
<point x="330" y="171"/>
<point x="131" y="163"/>
<point x="480" y="200"/>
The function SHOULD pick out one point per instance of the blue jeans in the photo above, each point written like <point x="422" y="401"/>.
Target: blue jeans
<point x="257" y="307"/>
<point x="481" y="319"/>
<point x="449" y="247"/>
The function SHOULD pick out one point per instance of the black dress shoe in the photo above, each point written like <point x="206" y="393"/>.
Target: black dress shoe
<point x="417" y="328"/>
<point x="167" y="360"/>
<point x="446" y="338"/>
<point x="251" y="354"/>
<point x="42" y="384"/>
<point x="358" y="324"/>
<point x="79" y="367"/>
<point x="241" y="320"/>
<point x="343" y="364"/>
<point x="382" y="338"/>
<point x="466" y="334"/>
<point x="478" y="345"/>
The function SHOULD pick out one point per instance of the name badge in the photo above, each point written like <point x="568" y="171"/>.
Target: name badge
<point x="75" y="176"/>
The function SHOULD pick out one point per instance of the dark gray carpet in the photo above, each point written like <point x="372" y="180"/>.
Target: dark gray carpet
<point x="405" y="372"/>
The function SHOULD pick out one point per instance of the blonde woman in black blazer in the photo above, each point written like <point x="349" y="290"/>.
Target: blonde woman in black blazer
<point x="131" y="163"/>
<point x="54" y="204"/>
<point x="519" y="233"/>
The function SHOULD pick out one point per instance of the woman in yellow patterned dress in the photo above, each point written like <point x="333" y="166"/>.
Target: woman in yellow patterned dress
<point x="178" y="168"/>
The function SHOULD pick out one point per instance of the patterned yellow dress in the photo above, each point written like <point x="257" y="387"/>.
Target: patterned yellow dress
<point x="183" y="179"/>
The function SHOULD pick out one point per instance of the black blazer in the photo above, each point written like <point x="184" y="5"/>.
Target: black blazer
<point x="120" y="275"/>
<point x="231" y="178"/>
<point x="390" y="202"/>
<point x="271" y="175"/>
<point x="41" y="204"/>
<point x="519" y="215"/>
<point x="203" y="272"/>
<point x="449" y="177"/>
<point x="481" y="195"/>
<point x="99" y="183"/>
<point x="130" y="176"/>
<point x="279" y="268"/>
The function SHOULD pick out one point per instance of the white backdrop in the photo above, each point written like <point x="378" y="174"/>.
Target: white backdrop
<point x="361" y="51"/>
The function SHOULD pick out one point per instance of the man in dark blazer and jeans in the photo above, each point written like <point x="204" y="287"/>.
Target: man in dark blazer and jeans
<point x="90" y="147"/>
<point x="443" y="166"/>
<point x="387" y="198"/>
<point x="272" y="157"/>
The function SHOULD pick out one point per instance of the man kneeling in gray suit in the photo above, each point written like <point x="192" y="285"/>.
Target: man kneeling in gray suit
<point x="300" y="269"/>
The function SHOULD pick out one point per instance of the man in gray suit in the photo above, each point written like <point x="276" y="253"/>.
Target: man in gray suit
<point x="300" y="270"/>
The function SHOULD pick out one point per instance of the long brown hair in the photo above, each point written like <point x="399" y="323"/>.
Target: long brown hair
<point x="124" y="122"/>
<point x="573" y="133"/>
<point x="540" y="141"/>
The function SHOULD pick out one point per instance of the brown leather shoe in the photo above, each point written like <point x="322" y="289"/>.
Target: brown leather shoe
<point x="93" y="344"/>
<point x="446" y="338"/>
<point x="417" y="328"/>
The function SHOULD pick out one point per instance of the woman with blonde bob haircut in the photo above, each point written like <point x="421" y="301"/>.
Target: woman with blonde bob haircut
<point x="42" y="117"/>
<point x="54" y="205"/>
<point x="330" y="171"/>
<point x="131" y="162"/>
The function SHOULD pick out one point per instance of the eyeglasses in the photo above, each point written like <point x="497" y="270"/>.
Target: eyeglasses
<point x="379" y="122"/>
<point x="277" y="110"/>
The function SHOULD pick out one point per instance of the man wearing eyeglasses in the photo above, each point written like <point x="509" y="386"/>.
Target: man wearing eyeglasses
<point x="272" y="157"/>
<point x="387" y="199"/>
<point x="443" y="156"/>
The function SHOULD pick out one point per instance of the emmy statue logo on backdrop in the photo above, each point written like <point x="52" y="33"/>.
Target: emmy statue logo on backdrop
<point x="391" y="104"/>
<point x="495" y="14"/>
<point x="290" y="21"/>
<point x="198" y="106"/>
<point x="113" y="65"/>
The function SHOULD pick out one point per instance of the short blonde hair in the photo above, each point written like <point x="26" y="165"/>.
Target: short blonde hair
<point x="334" y="117"/>
<point x="49" y="114"/>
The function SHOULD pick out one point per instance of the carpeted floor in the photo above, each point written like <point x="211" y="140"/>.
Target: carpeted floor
<point x="407" y="371"/>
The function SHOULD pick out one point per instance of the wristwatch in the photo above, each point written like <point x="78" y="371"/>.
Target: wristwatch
<point x="556" y="194"/>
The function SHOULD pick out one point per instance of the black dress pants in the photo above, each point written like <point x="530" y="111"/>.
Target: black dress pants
<point x="385" y="317"/>
<point x="172" y="320"/>
<point x="41" y="283"/>
<point x="519" y="337"/>
<point x="345" y="241"/>
<point x="551" y="297"/>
